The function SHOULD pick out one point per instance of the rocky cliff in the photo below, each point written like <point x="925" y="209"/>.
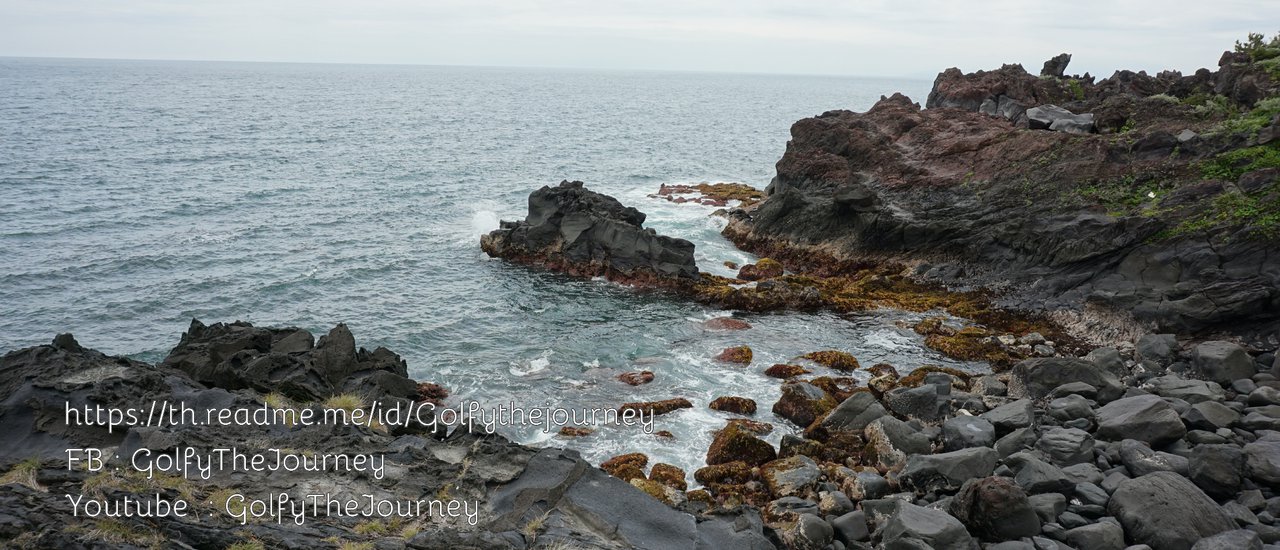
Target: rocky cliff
<point x="1153" y="206"/>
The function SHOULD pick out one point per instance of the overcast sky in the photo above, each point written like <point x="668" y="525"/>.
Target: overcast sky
<point x="870" y="38"/>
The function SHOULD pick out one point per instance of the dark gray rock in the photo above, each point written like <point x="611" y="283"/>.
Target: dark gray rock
<point x="743" y="530"/>
<point x="1036" y="378"/>
<point x="1048" y="506"/>
<point x="1109" y="360"/>
<point x="1217" y="469"/>
<point x="810" y="532"/>
<point x="1264" y="395"/>
<point x="948" y="471"/>
<point x="962" y="432"/>
<point x="581" y="232"/>
<point x="1018" y="440"/>
<point x="1103" y="535"/>
<point x="894" y="440"/>
<point x="1146" y="418"/>
<point x="937" y="530"/>
<point x="1222" y="362"/>
<point x="1191" y="391"/>
<point x="852" y="527"/>
<point x="854" y="413"/>
<point x="1161" y="349"/>
<point x="1262" y="461"/>
<point x="1036" y="476"/>
<point x="1056" y="65"/>
<point x="1142" y="460"/>
<point x="1210" y="416"/>
<point x="1010" y="416"/>
<point x="1053" y="117"/>
<point x="1166" y="511"/>
<point x="995" y="509"/>
<point x="1066" y="446"/>
<point x="926" y="402"/>
<point x="1240" y="539"/>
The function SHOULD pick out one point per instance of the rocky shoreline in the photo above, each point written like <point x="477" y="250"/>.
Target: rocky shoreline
<point x="1105" y="246"/>
<point x="1130" y="220"/>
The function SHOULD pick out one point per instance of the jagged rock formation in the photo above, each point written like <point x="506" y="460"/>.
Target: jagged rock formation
<point x="1158" y="223"/>
<point x="572" y="229"/>
<point x="523" y="494"/>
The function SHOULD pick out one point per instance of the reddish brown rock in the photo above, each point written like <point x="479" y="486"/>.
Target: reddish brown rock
<point x="753" y="426"/>
<point x="726" y="323"/>
<point x="626" y="467"/>
<point x="802" y="402"/>
<point x="636" y="378"/>
<point x="658" y="407"/>
<point x="664" y="434"/>
<point x="735" y="444"/>
<point x="736" y="354"/>
<point x="833" y="359"/>
<point x="570" y="431"/>
<point x="733" y="404"/>
<point x="761" y="270"/>
<point x="729" y="473"/>
<point x="669" y="475"/>
<point x="785" y="371"/>
<point x="432" y="393"/>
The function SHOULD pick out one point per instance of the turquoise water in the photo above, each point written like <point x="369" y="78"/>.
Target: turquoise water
<point x="135" y="196"/>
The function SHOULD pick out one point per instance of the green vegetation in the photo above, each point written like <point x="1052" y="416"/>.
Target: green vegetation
<point x="1257" y="212"/>
<point x="1231" y="165"/>
<point x="1077" y="89"/>
<point x="1127" y="196"/>
<point x="24" y="473"/>
<point x="1259" y="48"/>
<point x="1255" y="119"/>
<point x="247" y="545"/>
<point x="115" y="532"/>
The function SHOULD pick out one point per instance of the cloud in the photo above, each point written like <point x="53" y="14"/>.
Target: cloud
<point x="875" y="37"/>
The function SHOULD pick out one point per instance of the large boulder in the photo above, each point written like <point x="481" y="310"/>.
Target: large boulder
<point x="1165" y="511"/>
<point x="734" y="443"/>
<point x="1053" y="117"/>
<point x="1146" y="418"/>
<point x="572" y="229"/>
<point x="854" y="413"/>
<point x="1262" y="461"/>
<point x="1036" y="378"/>
<point x="948" y="471"/>
<point x="935" y="529"/>
<point x="995" y="509"/>
<point x="892" y="441"/>
<point x="239" y="355"/>
<point x="1222" y="362"/>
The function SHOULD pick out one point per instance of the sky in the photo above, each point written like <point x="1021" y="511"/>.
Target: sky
<point x="890" y="38"/>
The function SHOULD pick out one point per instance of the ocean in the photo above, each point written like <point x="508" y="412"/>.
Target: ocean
<point x="137" y="195"/>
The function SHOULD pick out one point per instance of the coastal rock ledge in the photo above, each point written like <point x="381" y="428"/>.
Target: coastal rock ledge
<point x="572" y="229"/>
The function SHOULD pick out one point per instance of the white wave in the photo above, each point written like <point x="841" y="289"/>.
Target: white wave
<point x="536" y="364"/>
<point x="484" y="221"/>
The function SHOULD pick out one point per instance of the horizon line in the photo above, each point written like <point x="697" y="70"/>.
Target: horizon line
<point x="451" y="65"/>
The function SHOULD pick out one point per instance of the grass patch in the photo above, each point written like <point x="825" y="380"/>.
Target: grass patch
<point x="1231" y="165"/>
<point x="24" y="473"/>
<point x="1248" y="123"/>
<point x="1126" y="196"/>
<point x="115" y="532"/>
<point x="1258" y="213"/>
<point x="247" y="545"/>
<point x="135" y="482"/>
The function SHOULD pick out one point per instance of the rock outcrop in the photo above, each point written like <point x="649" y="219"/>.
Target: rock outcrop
<point x="1151" y="225"/>
<point x="517" y="493"/>
<point x="572" y="229"/>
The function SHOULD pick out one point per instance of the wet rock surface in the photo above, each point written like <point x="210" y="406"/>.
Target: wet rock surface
<point x="572" y="229"/>
<point x="520" y="493"/>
